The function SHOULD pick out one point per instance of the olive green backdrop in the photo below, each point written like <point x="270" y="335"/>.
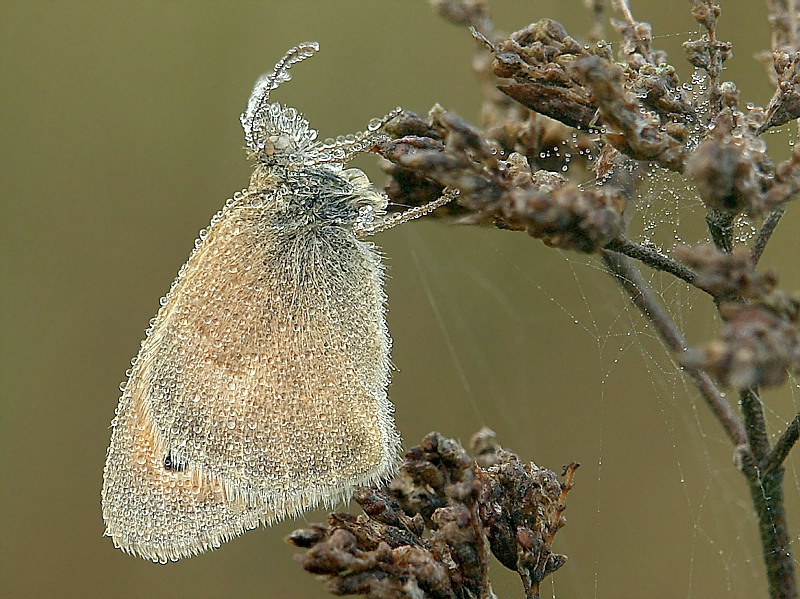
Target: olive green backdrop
<point x="119" y="139"/>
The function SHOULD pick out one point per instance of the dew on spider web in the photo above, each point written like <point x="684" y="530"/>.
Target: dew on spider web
<point x="665" y="204"/>
<point x="719" y="519"/>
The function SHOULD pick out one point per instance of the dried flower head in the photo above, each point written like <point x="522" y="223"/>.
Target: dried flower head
<point x="758" y="345"/>
<point x="726" y="275"/>
<point x="731" y="168"/>
<point x="469" y="506"/>
<point x="499" y="189"/>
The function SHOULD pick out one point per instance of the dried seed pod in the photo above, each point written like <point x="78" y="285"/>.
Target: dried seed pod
<point x="470" y="506"/>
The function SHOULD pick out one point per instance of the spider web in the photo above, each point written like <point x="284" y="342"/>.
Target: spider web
<point x="578" y="373"/>
<point x="543" y="347"/>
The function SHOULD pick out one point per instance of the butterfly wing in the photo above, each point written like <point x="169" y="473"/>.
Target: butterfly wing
<point x="259" y="392"/>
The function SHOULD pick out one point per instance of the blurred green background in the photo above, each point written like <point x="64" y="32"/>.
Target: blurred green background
<point x="119" y="139"/>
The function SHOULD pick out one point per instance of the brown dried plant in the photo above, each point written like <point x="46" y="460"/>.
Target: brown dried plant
<point x="611" y="117"/>
<point x="430" y="531"/>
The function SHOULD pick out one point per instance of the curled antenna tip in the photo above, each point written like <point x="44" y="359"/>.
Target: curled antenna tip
<point x="259" y="99"/>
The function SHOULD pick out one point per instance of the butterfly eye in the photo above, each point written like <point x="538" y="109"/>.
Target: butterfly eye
<point x="172" y="464"/>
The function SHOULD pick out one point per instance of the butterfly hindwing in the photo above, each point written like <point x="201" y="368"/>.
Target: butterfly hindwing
<point x="259" y="391"/>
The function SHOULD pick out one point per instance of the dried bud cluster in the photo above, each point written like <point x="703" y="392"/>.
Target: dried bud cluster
<point x="507" y="192"/>
<point x="637" y="44"/>
<point x="641" y="108"/>
<point x="731" y="167"/>
<point x="726" y="276"/>
<point x="539" y="62"/>
<point x="464" y="12"/>
<point x="760" y="341"/>
<point x="409" y="186"/>
<point x="470" y="506"/>
<point x="706" y="13"/>
<point x="554" y="75"/>
<point x="521" y="506"/>
<point x="641" y="134"/>
<point x="757" y="347"/>
<point x="565" y="216"/>
<point x="785" y="104"/>
<point x="787" y="180"/>
<point x="699" y="52"/>
<point x="706" y="54"/>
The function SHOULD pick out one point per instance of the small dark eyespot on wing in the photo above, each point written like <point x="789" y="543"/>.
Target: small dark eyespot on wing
<point x="173" y="464"/>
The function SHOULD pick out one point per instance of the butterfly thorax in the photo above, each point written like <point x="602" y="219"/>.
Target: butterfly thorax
<point x="302" y="198"/>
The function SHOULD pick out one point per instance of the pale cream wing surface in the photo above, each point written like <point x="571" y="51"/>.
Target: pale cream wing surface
<point x="162" y="514"/>
<point x="260" y="390"/>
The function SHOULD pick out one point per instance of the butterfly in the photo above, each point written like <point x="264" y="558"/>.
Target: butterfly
<point x="260" y="389"/>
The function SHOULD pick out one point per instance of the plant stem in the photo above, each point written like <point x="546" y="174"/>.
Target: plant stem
<point x="783" y="446"/>
<point x="766" y="486"/>
<point x="651" y="257"/>
<point x="764" y="234"/>
<point x="643" y="298"/>
<point x="720" y="225"/>
<point x="755" y="425"/>
<point x="766" y="491"/>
